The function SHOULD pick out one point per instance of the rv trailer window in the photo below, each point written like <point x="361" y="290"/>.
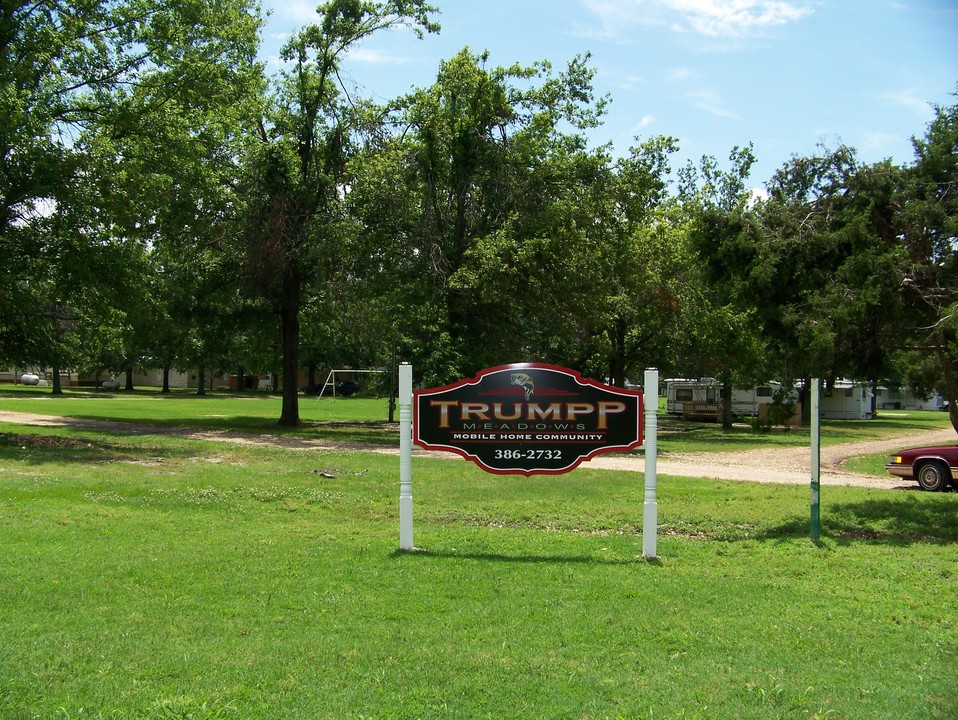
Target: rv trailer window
<point x="763" y="391"/>
<point x="683" y="394"/>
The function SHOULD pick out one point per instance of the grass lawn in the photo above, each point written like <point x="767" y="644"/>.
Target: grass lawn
<point x="352" y="419"/>
<point x="363" y="419"/>
<point x="144" y="576"/>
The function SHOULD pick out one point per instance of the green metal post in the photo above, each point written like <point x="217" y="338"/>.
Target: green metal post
<point x="816" y="522"/>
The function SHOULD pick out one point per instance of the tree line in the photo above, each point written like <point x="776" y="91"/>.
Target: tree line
<point x="165" y="202"/>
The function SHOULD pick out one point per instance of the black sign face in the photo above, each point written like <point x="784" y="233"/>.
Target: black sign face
<point x="527" y="419"/>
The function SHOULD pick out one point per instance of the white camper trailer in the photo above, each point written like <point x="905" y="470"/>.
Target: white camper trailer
<point x="905" y="399"/>
<point x="698" y="399"/>
<point x="702" y="398"/>
<point x="847" y="400"/>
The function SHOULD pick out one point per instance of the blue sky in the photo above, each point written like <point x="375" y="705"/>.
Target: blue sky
<point x="785" y="75"/>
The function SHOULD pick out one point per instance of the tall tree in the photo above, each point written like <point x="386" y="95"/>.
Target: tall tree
<point x="720" y="210"/>
<point x="793" y="256"/>
<point x="74" y="78"/>
<point x="494" y="157"/>
<point x="826" y="255"/>
<point x="177" y="142"/>
<point x="296" y="183"/>
<point x="644" y="288"/>
<point x="929" y="273"/>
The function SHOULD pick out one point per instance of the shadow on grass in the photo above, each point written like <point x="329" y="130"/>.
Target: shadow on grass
<point x="240" y="428"/>
<point x="898" y="520"/>
<point x="43" y="449"/>
<point x="531" y="559"/>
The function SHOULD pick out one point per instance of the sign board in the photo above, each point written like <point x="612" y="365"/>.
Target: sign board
<point x="527" y="418"/>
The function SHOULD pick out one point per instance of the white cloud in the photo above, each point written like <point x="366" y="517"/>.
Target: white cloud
<point x="376" y="57"/>
<point x="757" y="195"/>
<point x="711" y="102"/>
<point x="712" y="18"/>
<point x="299" y="12"/>
<point x="612" y="16"/>
<point x="874" y="141"/>
<point x="912" y="100"/>
<point x="623" y="82"/>
<point x="736" y="18"/>
<point x="643" y="123"/>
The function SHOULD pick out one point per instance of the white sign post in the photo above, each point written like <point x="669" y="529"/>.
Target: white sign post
<point x="650" y="515"/>
<point x="650" y="510"/>
<point x="405" y="457"/>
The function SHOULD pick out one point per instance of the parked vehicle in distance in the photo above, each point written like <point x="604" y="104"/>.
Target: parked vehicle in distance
<point x="933" y="467"/>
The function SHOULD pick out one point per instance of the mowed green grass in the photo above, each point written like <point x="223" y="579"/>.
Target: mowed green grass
<point x="347" y="419"/>
<point x="144" y="576"/>
<point x="364" y="419"/>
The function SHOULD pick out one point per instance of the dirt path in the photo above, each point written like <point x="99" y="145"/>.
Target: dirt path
<point x="783" y="465"/>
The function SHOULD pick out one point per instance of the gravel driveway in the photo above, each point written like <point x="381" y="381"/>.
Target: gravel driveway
<point x="783" y="465"/>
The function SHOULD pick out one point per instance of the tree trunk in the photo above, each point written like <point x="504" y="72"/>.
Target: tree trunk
<point x="166" y="379"/>
<point x="240" y="379"/>
<point x="289" y="318"/>
<point x="129" y="378"/>
<point x="726" y="402"/>
<point x="57" y="386"/>
<point x="201" y="381"/>
<point x="617" y="361"/>
<point x="950" y="386"/>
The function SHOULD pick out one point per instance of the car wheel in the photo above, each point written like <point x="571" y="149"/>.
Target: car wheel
<point x="933" y="476"/>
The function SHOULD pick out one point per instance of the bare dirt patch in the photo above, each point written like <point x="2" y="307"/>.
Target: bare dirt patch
<point x="783" y="465"/>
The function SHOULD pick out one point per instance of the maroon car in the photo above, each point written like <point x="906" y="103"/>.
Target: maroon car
<point x="933" y="467"/>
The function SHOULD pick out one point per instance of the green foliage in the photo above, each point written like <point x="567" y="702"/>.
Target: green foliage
<point x="163" y="203"/>
<point x="782" y="408"/>
<point x="780" y="412"/>
<point x="728" y="329"/>
<point x="929" y="272"/>
<point x="494" y="220"/>
<point x="99" y="100"/>
<point x="297" y="157"/>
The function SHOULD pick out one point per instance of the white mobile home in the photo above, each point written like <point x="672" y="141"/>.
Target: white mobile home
<point x="681" y="393"/>
<point x="905" y="399"/>
<point x="847" y="400"/>
<point x="702" y="398"/>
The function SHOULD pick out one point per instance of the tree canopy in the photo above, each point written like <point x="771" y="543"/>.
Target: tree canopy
<point x="164" y="202"/>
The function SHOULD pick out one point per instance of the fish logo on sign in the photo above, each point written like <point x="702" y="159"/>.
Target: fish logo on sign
<point x="525" y="382"/>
